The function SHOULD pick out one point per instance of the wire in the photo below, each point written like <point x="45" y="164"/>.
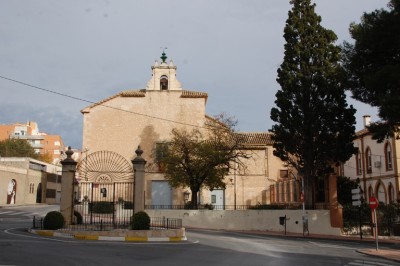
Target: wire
<point x="111" y="107"/>
<point x="371" y="173"/>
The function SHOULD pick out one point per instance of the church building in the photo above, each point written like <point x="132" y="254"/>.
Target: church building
<point x="114" y="127"/>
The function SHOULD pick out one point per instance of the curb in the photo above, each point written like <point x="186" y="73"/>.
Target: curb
<point x="106" y="238"/>
<point x="389" y="254"/>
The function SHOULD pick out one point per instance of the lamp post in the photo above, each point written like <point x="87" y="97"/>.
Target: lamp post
<point x="234" y="188"/>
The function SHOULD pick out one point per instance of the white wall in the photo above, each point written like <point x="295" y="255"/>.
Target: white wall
<point x="259" y="220"/>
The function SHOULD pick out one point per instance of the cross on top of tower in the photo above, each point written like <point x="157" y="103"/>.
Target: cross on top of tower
<point x="163" y="55"/>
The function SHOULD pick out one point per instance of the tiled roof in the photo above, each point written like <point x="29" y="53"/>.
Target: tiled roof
<point x="133" y="93"/>
<point x="193" y="94"/>
<point x="256" y="138"/>
<point x="142" y="93"/>
<point x="127" y="93"/>
<point x="362" y="132"/>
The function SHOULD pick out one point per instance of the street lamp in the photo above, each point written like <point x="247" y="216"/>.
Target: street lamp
<point x="186" y="196"/>
<point x="304" y="217"/>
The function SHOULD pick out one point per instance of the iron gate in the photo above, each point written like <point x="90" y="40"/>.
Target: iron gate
<point x="104" y="193"/>
<point x="106" y="204"/>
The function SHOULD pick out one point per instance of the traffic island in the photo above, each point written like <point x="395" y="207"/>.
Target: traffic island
<point x="166" y="235"/>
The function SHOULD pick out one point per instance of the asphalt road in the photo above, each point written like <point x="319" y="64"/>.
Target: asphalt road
<point x="204" y="247"/>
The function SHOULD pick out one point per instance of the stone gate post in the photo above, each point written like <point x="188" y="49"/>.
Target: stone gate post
<point x="139" y="180"/>
<point x="67" y="187"/>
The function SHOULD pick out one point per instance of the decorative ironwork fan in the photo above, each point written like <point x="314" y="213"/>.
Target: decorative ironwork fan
<point x="105" y="166"/>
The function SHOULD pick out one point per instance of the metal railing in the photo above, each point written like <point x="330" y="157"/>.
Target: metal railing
<point x="273" y="206"/>
<point x="157" y="223"/>
<point x="165" y="223"/>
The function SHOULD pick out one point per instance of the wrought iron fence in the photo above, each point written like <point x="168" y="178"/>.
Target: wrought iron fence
<point x="165" y="223"/>
<point x="274" y="206"/>
<point x="156" y="223"/>
<point x="388" y="220"/>
<point x="37" y="222"/>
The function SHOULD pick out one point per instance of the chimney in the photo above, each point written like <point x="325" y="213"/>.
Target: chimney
<point x="367" y="120"/>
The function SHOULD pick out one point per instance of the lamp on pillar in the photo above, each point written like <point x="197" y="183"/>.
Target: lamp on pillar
<point x="67" y="187"/>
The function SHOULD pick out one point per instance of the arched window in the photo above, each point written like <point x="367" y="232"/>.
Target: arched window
<point x="277" y="192"/>
<point x="288" y="192"/>
<point x="164" y="83"/>
<point x="368" y="159"/>
<point x="388" y="157"/>
<point x="391" y="193"/>
<point x="381" y="193"/>
<point x="272" y="193"/>
<point x="370" y="192"/>
<point x="296" y="191"/>
<point x="358" y="163"/>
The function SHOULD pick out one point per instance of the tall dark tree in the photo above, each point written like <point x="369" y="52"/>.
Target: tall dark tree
<point x="314" y="125"/>
<point x="344" y="187"/>
<point x="198" y="159"/>
<point x="373" y="66"/>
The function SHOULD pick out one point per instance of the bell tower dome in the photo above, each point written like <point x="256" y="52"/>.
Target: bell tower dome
<point x="163" y="77"/>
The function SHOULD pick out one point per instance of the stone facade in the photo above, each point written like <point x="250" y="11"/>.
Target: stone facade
<point x="147" y="116"/>
<point x="28" y="181"/>
<point x="376" y="166"/>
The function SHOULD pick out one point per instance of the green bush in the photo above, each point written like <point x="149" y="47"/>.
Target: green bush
<point x="101" y="207"/>
<point x="140" y="221"/>
<point x="53" y="221"/>
<point x="128" y="205"/>
<point x="78" y="217"/>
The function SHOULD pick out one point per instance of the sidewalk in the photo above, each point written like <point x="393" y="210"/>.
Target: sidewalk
<point x="391" y="254"/>
<point x="386" y="253"/>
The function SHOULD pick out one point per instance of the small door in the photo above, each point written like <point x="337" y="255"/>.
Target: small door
<point x="161" y="194"/>
<point x="217" y="199"/>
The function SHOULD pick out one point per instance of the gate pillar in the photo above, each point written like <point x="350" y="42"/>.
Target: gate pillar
<point x="139" y="180"/>
<point x="67" y="187"/>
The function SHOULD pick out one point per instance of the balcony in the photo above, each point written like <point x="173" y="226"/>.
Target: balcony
<point x="36" y="145"/>
<point x="27" y="137"/>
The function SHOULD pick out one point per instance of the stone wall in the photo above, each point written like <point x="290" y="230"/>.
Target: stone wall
<point x="258" y="220"/>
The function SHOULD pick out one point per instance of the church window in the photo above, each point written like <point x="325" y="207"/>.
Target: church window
<point x="164" y="83"/>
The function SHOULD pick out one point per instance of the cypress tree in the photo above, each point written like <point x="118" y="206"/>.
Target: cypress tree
<point x="314" y="125"/>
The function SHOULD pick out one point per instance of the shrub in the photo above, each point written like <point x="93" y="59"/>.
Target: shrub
<point x="101" y="207"/>
<point x="140" y="221"/>
<point x="53" y="221"/>
<point x="208" y="206"/>
<point x="128" y="205"/>
<point x="78" y="217"/>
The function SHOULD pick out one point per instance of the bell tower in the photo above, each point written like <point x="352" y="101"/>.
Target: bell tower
<point x="163" y="77"/>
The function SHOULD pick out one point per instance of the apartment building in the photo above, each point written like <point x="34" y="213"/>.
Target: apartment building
<point x="43" y="143"/>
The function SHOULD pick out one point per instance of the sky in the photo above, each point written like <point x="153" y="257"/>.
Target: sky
<point x="90" y="50"/>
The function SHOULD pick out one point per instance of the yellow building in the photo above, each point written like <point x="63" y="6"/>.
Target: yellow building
<point x="376" y="166"/>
